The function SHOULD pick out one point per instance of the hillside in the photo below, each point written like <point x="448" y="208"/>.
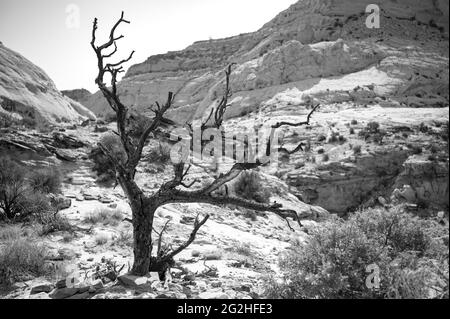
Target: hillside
<point x="27" y="92"/>
<point x="310" y="41"/>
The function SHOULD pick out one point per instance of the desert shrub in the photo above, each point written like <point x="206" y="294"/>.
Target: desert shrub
<point x="101" y="239"/>
<point x="333" y="138"/>
<point x="249" y="186"/>
<point x="34" y="205"/>
<point x="17" y="199"/>
<point x="320" y="151"/>
<point x="423" y="128"/>
<point x="137" y="123"/>
<point x="104" y="216"/>
<point x="351" y="131"/>
<point x="354" y="122"/>
<point x="9" y="232"/>
<point x="372" y="131"/>
<point x="53" y="223"/>
<point x="125" y="238"/>
<point x="373" y="127"/>
<point x="243" y="249"/>
<point x="416" y="149"/>
<point x="356" y="150"/>
<point x="325" y="158"/>
<point x="410" y="253"/>
<point x="321" y="138"/>
<point x="46" y="180"/>
<point x="250" y="214"/>
<point x="434" y="149"/>
<point x="20" y="259"/>
<point x="159" y="155"/>
<point x="103" y="166"/>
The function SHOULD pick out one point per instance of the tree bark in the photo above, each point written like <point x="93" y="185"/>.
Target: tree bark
<point x="142" y="237"/>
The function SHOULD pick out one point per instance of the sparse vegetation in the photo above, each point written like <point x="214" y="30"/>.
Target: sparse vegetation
<point x="52" y="223"/>
<point x="103" y="165"/>
<point x="373" y="132"/>
<point x="101" y="239"/>
<point x="158" y="156"/>
<point x="410" y="253"/>
<point x="104" y="216"/>
<point x="21" y="259"/>
<point x="249" y="186"/>
<point x="22" y="197"/>
<point x="46" y="180"/>
<point x="356" y="150"/>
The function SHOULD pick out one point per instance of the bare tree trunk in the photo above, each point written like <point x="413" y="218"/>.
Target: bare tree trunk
<point x="142" y="237"/>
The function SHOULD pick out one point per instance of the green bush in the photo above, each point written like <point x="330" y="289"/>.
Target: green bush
<point x="249" y="186"/>
<point x="411" y="255"/>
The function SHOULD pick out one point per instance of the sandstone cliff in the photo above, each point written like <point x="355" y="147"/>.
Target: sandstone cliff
<point x="27" y="92"/>
<point x="322" y="50"/>
<point x="312" y="40"/>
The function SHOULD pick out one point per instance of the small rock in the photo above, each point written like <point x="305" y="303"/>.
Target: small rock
<point x="89" y="197"/>
<point x="213" y="295"/>
<point x="41" y="288"/>
<point x="382" y="201"/>
<point x="41" y="295"/>
<point x="132" y="281"/>
<point x="153" y="276"/>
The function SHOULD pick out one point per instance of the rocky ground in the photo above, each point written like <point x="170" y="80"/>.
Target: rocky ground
<point x="235" y="250"/>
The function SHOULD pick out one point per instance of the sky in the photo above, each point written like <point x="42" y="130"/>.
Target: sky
<point x="56" y="34"/>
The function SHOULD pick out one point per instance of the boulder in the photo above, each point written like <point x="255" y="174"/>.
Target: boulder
<point x="42" y="288"/>
<point x="132" y="281"/>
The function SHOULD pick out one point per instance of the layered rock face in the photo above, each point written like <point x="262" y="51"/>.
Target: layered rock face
<point x="26" y="91"/>
<point x="79" y="95"/>
<point x="313" y="39"/>
<point x="322" y="50"/>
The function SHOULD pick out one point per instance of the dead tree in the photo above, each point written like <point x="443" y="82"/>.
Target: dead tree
<point x="144" y="206"/>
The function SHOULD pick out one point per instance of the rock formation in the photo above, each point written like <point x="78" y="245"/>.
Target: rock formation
<point x="27" y="92"/>
<point x="309" y="41"/>
<point x="79" y="95"/>
<point x="318" y="50"/>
